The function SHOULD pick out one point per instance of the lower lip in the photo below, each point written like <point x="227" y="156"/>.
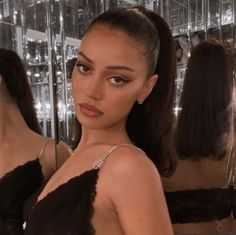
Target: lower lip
<point x="89" y="113"/>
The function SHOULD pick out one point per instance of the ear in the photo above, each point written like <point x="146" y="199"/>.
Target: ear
<point x="147" y="88"/>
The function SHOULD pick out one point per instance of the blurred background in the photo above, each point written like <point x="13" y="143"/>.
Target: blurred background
<point x="46" y="34"/>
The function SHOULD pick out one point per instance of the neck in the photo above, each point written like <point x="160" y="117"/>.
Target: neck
<point x="107" y="136"/>
<point x="12" y="124"/>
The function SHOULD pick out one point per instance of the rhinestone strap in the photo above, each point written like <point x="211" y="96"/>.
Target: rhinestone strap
<point x="100" y="161"/>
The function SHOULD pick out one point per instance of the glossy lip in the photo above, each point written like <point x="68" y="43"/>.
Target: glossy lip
<point x="89" y="110"/>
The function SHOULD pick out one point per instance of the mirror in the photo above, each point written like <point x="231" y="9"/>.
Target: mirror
<point x="47" y="43"/>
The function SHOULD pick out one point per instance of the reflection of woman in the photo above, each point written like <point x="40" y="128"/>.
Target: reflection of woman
<point x="108" y="185"/>
<point x="26" y="157"/>
<point x="199" y="193"/>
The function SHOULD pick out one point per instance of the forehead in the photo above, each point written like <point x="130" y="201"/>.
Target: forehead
<point x="111" y="43"/>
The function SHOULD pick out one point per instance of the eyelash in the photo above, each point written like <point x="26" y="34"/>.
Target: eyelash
<point x="79" y="65"/>
<point x="123" y="80"/>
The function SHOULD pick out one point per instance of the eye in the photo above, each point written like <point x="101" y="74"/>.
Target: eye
<point x="118" y="81"/>
<point x="83" y="69"/>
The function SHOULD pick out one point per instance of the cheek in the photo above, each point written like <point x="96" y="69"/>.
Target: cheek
<point x="76" y="87"/>
<point x="124" y="101"/>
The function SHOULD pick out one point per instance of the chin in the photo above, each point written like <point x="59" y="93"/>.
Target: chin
<point x="90" y="124"/>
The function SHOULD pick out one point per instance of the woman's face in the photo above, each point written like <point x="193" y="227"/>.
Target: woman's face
<point x="109" y="77"/>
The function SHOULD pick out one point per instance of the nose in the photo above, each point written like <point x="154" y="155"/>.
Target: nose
<point x="94" y="88"/>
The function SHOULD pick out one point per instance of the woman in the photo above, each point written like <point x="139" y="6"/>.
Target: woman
<point x="199" y="194"/>
<point x="26" y="157"/>
<point x="123" y="85"/>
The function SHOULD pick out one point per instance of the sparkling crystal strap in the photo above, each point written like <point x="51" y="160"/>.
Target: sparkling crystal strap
<point x="100" y="161"/>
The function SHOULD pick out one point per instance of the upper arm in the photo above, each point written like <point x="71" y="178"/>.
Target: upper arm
<point x="63" y="152"/>
<point x="53" y="157"/>
<point x="138" y="197"/>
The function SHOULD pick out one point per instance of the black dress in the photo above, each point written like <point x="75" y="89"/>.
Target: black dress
<point x="15" y="187"/>
<point x="201" y="205"/>
<point x="68" y="210"/>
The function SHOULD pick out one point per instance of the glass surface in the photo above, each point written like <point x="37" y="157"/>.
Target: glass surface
<point x="48" y="38"/>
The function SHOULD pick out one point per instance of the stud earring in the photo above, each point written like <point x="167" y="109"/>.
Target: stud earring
<point x="140" y="101"/>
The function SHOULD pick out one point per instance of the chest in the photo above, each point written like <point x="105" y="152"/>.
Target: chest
<point x="75" y="207"/>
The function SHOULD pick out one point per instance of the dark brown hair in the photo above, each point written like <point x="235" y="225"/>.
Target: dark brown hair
<point x="205" y="121"/>
<point x="13" y="73"/>
<point x="150" y="125"/>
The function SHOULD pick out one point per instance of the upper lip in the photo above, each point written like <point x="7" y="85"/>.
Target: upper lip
<point x="91" y="108"/>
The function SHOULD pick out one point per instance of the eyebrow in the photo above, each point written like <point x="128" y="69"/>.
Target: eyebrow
<point x="120" y="67"/>
<point x="85" y="57"/>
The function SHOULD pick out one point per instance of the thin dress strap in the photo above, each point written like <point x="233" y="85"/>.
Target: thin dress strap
<point x="43" y="147"/>
<point x="98" y="164"/>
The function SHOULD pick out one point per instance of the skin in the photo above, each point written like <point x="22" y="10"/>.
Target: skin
<point x="16" y="137"/>
<point x="129" y="196"/>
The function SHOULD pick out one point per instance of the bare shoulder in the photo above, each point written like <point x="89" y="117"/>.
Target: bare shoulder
<point x="63" y="152"/>
<point x="178" y="180"/>
<point x="53" y="156"/>
<point x="132" y="164"/>
<point x="134" y="190"/>
<point x="48" y="158"/>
